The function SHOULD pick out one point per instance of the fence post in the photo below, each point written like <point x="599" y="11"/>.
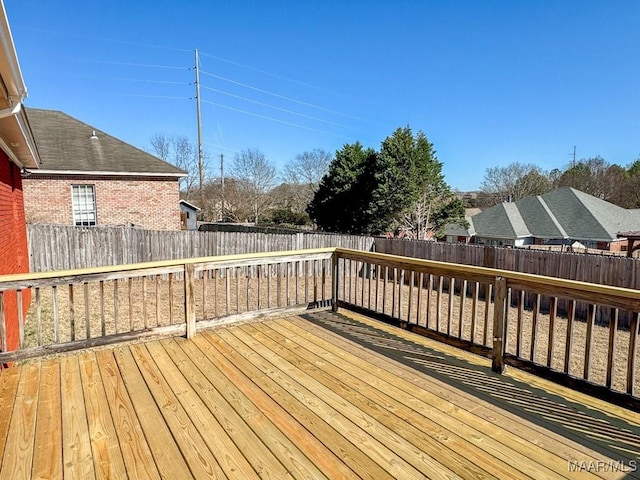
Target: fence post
<point x="190" y="299"/>
<point x="334" y="281"/>
<point x="499" y="321"/>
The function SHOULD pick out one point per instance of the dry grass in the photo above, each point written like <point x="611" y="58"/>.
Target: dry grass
<point x="130" y="305"/>
<point x="115" y="306"/>
<point x="363" y="292"/>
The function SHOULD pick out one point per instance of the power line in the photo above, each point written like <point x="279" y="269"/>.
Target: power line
<point x="154" y="96"/>
<point x="132" y="64"/>
<point x="270" y="74"/>
<point x="102" y="39"/>
<point x="310" y="117"/>
<point x="275" y="120"/>
<point x="277" y="95"/>
<point x="122" y="79"/>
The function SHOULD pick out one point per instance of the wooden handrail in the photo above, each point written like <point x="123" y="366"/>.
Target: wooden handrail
<point x="590" y="292"/>
<point x="111" y="272"/>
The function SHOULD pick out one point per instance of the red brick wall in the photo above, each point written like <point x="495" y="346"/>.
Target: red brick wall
<point x="14" y="253"/>
<point x="148" y="202"/>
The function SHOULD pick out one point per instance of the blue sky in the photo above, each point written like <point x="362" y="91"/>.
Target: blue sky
<point x="489" y="82"/>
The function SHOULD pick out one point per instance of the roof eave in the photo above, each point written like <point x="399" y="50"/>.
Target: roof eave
<point x="42" y="171"/>
<point x="17" y="138"/>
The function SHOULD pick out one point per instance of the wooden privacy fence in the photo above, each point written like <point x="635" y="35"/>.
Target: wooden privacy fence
<point x="474" y="308"/>
<point x="61" y="247"/>
<point x="617" y="271"/>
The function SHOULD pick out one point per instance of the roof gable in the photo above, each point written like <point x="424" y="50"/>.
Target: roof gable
<point x="539" y="218"/>
<point x="68" y="145"/>
<point x="500" y="221"/>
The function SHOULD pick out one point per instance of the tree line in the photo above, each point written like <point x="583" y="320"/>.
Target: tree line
<point x="399" y="188"/>
<point x="613" y="183"/>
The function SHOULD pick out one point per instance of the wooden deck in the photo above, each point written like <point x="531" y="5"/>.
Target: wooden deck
<point x="319" y="396"/>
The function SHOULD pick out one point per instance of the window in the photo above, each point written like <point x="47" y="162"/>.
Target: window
<point x="83" y="201"/>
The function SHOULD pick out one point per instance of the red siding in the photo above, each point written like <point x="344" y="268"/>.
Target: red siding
<point x="14" y="254"/>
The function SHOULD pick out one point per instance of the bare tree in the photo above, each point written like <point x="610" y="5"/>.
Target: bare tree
<point x="257" y="176"/>
<point x="418" y="221"/>
<point x="236" y="208"/>
<point x="514" y="181"/>
<point x="178" y="151"/>
<point x="304" y="173"/>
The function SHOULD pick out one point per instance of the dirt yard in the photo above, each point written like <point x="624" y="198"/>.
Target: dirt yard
<point x="104" y="308"/>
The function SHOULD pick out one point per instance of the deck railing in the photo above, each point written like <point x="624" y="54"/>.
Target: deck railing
<point x="83" y="308"/>
<point x="516" y="319"/>
<point x="523" y="320"/>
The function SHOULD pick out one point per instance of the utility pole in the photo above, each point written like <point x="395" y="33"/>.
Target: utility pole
<point x="200" y="154"/>
<point x="573" y="164"/>
<point x="222" y="187"/>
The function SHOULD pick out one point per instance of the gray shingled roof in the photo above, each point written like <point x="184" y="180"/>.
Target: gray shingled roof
<point x="562" y="213"/>
<point x="539" y="218"/>
<point x="585" y="217"/>
<point x="500" y="221"/>
<point x="65" y="145"/>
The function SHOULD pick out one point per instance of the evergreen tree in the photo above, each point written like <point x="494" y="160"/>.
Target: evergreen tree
<point x="340" y="198"/>
<point x="372" y="193"/>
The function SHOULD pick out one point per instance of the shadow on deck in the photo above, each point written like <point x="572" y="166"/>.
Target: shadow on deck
<point x="323" y="395"/>
<point x="570" y="418"/>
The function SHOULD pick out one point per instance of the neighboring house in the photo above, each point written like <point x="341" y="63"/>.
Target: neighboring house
<point x="88" y="178"/>
<point x="562" y="216"/>
<point x="17" y="153"/>
<point x="455" y="233"/>
<point x="188" y="212"/>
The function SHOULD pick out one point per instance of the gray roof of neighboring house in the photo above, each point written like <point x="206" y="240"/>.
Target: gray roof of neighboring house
<point x="539" y="218"/>
<point x="66" y="145"/>
<point x="584" y="216"/>
<point x="457" y="230"/>
<point x="562" y="213"/>
<point x="501" y="221"/>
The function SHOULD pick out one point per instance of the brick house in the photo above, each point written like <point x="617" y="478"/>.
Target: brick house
<point x="17" y="152"/>
<point x="88" y="178"/>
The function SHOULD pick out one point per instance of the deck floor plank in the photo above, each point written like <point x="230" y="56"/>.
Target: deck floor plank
<point x="135" y="451"/>
<point x="107" y="457"/>
<point x="365" y="430"/>
<point x="432" y="413"/>
<point x="18" y="454"/>
<point x="162" y="444"/>
<point x="321" y="395"/>
<point x="276" y="455"/>
<point x="583" y="418"/>
<point x="194" y="449"/>
<point x="9" y="380"/>
<point x="76" y="440"/>
<point x="529" y="435"/>
<point x="47" y="459"/>
<point x="359" y="399"/>
<point x="445" y="445"/>
<point x="228" y="455"/>
<point x="329" y="443"/>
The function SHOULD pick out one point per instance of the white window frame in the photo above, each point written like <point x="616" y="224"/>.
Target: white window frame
<point x="83" y="205"/>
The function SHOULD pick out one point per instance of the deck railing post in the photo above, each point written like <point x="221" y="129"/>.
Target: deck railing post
<point x="499" y="321"/>
<point x="190" y="299"/>
<point x="334" y="282"/>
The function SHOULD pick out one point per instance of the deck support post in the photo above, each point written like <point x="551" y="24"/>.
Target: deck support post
<point x="499" y="324"/>
<point x="190" y="299"/>
<point x="334" y="282"/>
